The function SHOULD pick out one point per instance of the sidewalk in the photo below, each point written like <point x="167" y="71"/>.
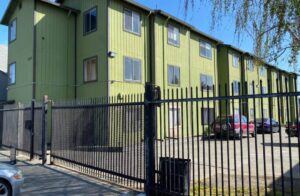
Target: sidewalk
<point x="53" y="180"/>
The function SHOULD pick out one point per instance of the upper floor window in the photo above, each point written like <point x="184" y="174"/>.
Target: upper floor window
<point x="236" y="61"/>
<point x="132" y="69"/>
<point x="90" y="69"/>
<point x="132" y="22"/>
<point x="173" y="75"/>
<point x="206" y="82"/>
<point x="205" y="49"/>
<point x="12" y="73"/>
<point x="12" y="30"/>
<point x="236" y="87"/>
<point x="250" y="65"/>
<point x="262" y="71"/>
<point x="173" y="35"/>
<point x="90" y="20"/>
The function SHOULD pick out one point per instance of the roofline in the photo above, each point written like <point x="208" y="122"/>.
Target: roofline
<point x="4" y="20"/>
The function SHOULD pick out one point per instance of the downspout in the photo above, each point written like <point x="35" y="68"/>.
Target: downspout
<point x="151" y="41"/>
<point x="75" y="56"/>
<point x="108" y="47"/>
<point x="34" y="53"/>
<point x="189" y="55"/>
<point x="163" y="41"/>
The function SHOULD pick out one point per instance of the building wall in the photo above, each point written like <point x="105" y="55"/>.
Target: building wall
<point x="127" y="44"/>
<point x="21" y="52"/>
<point x="55" y="53"/>
<point x="90" y="45"/>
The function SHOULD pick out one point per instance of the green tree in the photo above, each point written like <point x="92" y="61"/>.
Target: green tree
<point x="274" y="25"/>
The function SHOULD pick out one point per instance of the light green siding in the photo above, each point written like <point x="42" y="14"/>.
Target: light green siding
<point x="21" y="52"/>
<point x="55" y="53"/>
<point x="90" y="45"/>
<point x="127" y="44"/>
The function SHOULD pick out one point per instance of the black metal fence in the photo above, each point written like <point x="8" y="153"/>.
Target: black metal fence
<point x="101" y="137"/>
<point x="188" y="141"/>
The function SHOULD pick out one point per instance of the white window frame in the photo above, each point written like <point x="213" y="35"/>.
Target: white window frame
<point x="10" y="76"/>
<point x="173" y="74"/>
<point x="235" y="87"/>
<point x="12" y="37"/>
<point x="234" y="57"/>
<point x="250" y="62"/>
<point x="173" y="35"/>
<point x="136" y="67"/>
<point x="206" y="118"/>
<point x="85" y="32"/>
<point x="206" y="82"/>
<point x="262" y="71"/>
<point x="87" y="76"/>
<point x="174" y="112"/>
<point x="132" y="30"/>
<point x="207" y="48"/>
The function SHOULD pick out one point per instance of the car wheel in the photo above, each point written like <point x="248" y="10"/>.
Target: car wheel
<point x="253" y="134"/>
<point x="5" y="188"/>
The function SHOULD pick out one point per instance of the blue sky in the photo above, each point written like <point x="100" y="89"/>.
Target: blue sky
<point x="200" y="17"/>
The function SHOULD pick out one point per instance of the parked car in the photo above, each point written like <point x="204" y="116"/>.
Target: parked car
<point x="11" y="180"/>
<point x="292" y="129"/>
<point x="232" y="126"/>
<point x="266" y="125"/>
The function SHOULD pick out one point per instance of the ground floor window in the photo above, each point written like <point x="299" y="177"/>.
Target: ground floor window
<point x="174" y="117"/>
<point x="90" y="69"/>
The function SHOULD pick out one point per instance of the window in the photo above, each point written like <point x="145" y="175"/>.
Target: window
<point x="252" y="113"/>
<point x="90" y="20"/>
<point x="132" y="22"/>
<point x="251" y="88"/>
<point x="264" y="90"/>
<point x="236" y="111"/>
<point x="12" y="73"/>
<point x="208" y="116"/>
<point x="90" y="69"/>
<point x="262" y="71"/>
<point x="12" y="31"/>
<point x="236" y="61"/>
<point x="265" y="113"/>
<point x="250" y="65"/>
<point x="206" y="82"/>
<point x="205" y="49"/>
<point x="173" y="35"/>
<point x="236" y="88"/>
<point x="132" y="69"/>
<point x="173" y="75"/>
<point x="174" y="117"/>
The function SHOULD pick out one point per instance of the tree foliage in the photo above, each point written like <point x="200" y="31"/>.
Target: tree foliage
<point x="274" y="25"/>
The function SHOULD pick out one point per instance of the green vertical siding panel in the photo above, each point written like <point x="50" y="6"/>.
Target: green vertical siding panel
<point x="55" y="59"/>
<point x="21" y="52"/>
<point x="90" y="45"/>
<point x="127" y="44"/>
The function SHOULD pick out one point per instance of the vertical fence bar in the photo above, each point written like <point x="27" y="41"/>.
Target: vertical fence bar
<point x="32" y="130"/>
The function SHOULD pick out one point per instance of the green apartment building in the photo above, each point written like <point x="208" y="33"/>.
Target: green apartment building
<point x="78" y="49"/>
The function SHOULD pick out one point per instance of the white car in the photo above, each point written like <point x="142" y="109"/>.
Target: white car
<point x="11" y="180"/>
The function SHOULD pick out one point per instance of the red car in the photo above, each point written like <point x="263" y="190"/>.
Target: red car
<point x="233" y="126"/>
<point x="292" y="129"/>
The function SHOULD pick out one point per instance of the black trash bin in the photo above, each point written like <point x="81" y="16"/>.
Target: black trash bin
<point x="174" y="176"/>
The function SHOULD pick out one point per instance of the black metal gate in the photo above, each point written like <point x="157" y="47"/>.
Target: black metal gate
<point x="23" y="128"/>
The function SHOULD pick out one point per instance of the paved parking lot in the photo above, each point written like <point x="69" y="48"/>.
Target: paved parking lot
<point x="52" y="180"/>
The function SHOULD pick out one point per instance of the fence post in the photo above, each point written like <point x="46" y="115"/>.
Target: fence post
<point x="150" y="130"/>
<point x="32" y="131"/>
<point x="43" y="147"/>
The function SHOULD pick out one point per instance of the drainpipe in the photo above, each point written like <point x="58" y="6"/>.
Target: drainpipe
<point x="164" y="85"/>
<point x="152" y="50"/>
<point x="108" y="47"/>
<point x="34" y="53"/>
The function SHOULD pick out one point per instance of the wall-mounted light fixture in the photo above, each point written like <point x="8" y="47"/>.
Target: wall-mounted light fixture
<point x="112" y="54"/>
